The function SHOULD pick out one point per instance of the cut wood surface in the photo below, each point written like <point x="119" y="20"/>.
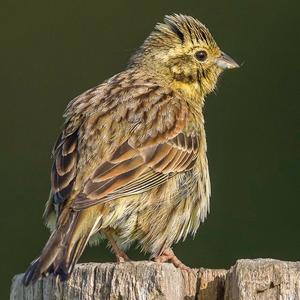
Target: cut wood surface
<point x="247" y="279"/>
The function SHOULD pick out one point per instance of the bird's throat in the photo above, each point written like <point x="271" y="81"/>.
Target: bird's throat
<point x="190" y="91"/>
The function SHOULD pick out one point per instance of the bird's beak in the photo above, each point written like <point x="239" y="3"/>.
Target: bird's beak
<point x="224" y="61"/>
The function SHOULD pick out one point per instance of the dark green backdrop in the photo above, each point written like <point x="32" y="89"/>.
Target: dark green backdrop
<point x="53" y="50"/>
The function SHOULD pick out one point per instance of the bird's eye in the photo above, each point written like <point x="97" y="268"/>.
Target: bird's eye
<point x="201" y="55"/>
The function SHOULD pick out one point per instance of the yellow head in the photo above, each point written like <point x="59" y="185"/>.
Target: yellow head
<point x="182" y="52"/>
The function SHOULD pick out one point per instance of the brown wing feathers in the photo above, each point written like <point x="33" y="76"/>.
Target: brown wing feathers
<point x="64" y="167"/>
<point x="157" y="149"/>
<point x="137" y="171"/>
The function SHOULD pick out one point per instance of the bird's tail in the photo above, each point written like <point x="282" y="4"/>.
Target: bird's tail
<point x="63" y="248"/>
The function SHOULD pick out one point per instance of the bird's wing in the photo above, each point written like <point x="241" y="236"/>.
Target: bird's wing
<point x="157" y="147"/>
<point x="63" y="171"/>
<point x="66" y="155"/>
<point x="138" y="171"/>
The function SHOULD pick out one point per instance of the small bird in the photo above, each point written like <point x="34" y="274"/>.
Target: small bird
<point x="130" y="164"/>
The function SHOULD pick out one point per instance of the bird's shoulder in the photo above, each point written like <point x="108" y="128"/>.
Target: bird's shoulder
<point x="130" y="104"/>
<point x="126" y="95"/>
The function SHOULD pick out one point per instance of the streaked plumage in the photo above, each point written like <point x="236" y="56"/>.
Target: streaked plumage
<point x="131" y="159"/>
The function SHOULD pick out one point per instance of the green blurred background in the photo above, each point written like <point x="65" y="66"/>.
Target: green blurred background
<point x="53" y="50"/>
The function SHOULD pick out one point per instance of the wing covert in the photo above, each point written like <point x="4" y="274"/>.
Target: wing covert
<point x="141" y="163"/>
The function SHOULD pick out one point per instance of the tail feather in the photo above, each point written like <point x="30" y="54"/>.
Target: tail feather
<point x="31" y="274"/>
<point x="64" y="265"/>
<point x="62" y="251"/>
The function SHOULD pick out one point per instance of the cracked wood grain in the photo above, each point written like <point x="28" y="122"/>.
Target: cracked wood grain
<point x="247" y="279"/>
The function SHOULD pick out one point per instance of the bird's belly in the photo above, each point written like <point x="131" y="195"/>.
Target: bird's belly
<point x="156" y="219"/>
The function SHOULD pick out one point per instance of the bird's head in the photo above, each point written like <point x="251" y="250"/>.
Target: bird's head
<point x="182" y="52"/>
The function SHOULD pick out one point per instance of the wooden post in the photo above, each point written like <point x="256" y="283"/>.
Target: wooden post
<point x="247" y="279"/>
<point x="263" y="279"/>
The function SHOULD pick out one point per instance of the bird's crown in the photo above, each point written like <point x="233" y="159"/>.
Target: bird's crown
<point x="183" y="29"/>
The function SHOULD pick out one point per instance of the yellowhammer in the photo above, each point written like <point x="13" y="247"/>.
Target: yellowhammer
<point x="130" y="164"/>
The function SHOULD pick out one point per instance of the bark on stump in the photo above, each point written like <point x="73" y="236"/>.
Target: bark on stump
<point x="247" y="279"/>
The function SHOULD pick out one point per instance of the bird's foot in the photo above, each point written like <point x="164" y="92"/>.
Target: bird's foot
<point x="169" y="255"/>
<point x="121" y="256"/>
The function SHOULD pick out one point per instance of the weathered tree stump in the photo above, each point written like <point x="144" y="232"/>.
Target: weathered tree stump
<point x="263" y="279"/>
<point x="247" y="279"/>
